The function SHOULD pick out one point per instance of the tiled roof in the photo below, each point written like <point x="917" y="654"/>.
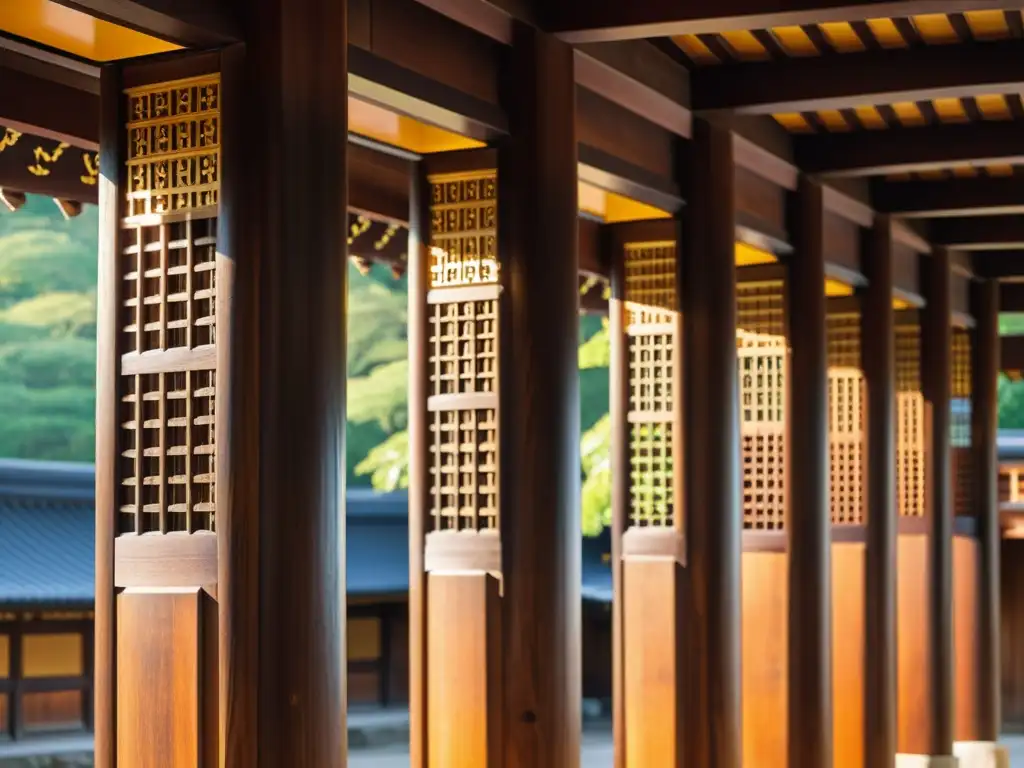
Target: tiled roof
<point x="47" y="540"/>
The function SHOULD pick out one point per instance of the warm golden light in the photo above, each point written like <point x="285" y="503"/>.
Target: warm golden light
<point x="407" y="133"/>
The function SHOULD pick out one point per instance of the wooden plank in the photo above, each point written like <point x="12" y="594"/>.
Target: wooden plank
<point x="199" y="23"/>
<point x="977" y="196"/>
<point x="849" y="658"/>
<point x="166" y="560"/>
<point x="984" y="233"/>
<point x="57" y="112"/>
<point x="966" y="606"/>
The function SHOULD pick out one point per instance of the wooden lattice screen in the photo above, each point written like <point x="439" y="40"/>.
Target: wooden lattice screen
<point x="761" y="346"/>
<point x="463" y="356"/>
<point x="168" y="307"/>
<point x="846" y="418"/>
<point x="910" y="463"/>
<point x="651" y="329"/>
<point x="960" y="423"/>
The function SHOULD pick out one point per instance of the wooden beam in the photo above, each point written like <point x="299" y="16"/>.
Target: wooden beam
<point x="981" y="233"/>
<point x="1006" y="266"/>
<point x="982" y="195"/>
<point x="595" y="21"/>
<point x="58" y="112"/>
<point x="71" y="174"/>
<point x="884" y="76"/>
<point x="191" y="23"/>
<point x="871" y="153"/>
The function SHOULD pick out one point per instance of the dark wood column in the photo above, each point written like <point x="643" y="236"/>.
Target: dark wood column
<point x="878" y="360"/>
<point x="936" y="382"/>
<point x="984" y="429"/>
<point x="283" y="237"/>
<point x="807" y="469"/>
<point x="542" y="540"/>
<point x="713" y="517"/>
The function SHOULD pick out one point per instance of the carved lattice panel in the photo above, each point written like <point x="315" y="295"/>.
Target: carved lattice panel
<point x="650" y="271"/>
<point x="168" y="330"/>
<point x="960" y="424"/>
<point x="762" y="350"/>
<point x="846" y="419"/>
<point x="463" y="356"/>
<point x="174" y="146"/>
<point x="910" y="457"/>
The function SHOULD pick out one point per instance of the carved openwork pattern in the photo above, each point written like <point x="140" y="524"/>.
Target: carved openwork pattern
<point x="960" y="424"/>
<point x="168" y="329"/>
<point x="762" y="350"/>
<point x="174" y="146"/>
<point x="463" y="355"/>
<point x="910" y="464"/>
<point x="846" y="418"/>
<point x="651" y="313"/>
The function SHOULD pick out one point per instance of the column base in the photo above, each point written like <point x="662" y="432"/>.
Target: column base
<point x="981" y="754"/>
<point x="927" y="761"/>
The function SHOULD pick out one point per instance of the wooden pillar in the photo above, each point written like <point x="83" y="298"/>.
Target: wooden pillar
<point x="807" y="469"/>
<point x="220" y="423"/>
<point x="713" y="518"/>
<point x="494" y="505"/>
<point x="984" y="428"/>
<point x="647" y="495"/>
<point x="878" y="359"/>
<point x="936" y="381"/>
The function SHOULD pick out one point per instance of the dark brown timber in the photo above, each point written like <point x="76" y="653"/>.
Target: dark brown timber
<point x="714" y="544"/>
<point x="953" y="197"/>
<point x="541" y="529"/>
<point x="878" y="360"/>
<point x="810" y="618"/>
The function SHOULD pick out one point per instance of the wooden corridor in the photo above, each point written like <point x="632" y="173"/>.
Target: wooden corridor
<point x="802" y="221"/>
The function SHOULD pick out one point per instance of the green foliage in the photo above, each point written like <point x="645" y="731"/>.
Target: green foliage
<point x="595" y="453"/>
<point x="387" y="464"/>
<point x="381" y="396"/>
<point x="1011" y="324"/>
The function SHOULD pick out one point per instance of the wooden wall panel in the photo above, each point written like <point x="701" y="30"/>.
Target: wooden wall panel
<point x="652" y="608"/>
<point x="965" y="640"/>
<point x="912" y="642"/>
<point x="842" y="244"/>
<point x="1012" y="633"/>
<point x="765" y="634"/>
<point x="608" y="127"/>
<point x="848" y="653"/>
<point x="160" y="666"/>
<point x="905" y="274"/>
<point x="759" y="199"/>
<point x="463" y="671"/>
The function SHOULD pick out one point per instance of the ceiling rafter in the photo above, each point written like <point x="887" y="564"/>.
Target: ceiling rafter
<point x="881" y="76"/>
<point x="979" y="233"/>
<point x="976" y="196"/>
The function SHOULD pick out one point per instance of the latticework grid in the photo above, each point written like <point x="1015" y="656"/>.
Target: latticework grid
<point x="910" y="463"/>
<point x="762" y="350"/>
<point x="651" y="313"/>
<point x="463" y="356"/>
<point x="168" y="451"/>
<point x="464" y="220"/>
<point x="174" y="146"/>
<point x="846" y="419"/>
<point x="168" y="304"/>
<point x="960" y="424"/>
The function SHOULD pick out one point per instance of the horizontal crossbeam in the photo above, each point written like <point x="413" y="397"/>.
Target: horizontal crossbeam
<point x="982" y="195"/>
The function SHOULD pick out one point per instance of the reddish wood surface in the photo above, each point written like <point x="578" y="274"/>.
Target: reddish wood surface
<point x="159" y="678"/>
<point x="848" y="654"/>
<point x="463" y="677"/>
<point x="966" y="576"/>
<point x="1011" y="637"/>
<point x="653" y="668"/>
<point x="765" y="661"/>
<point x="915" y="686"/>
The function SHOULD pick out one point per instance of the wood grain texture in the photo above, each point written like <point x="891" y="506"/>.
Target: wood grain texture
<point x="966" y="576"/>
<point x="540" y="421"/>
<point x="848" y="654"/>
<point x="765" y="661"/>
<point x="1011" y="634"/>
<point x="807" y="470"/>
<point x="653" y="670"/>
<point x="936" y="382"/>
<point x="985" y="365"/>
<point x="878" y="360"/>
<point x="914" y="690"/>
<point x="107" y="366"/>
<point x="159" y="678"/>
<point x="464" y="671"/>
<point x="166" y="560"/>
<point x="714" y="713"/>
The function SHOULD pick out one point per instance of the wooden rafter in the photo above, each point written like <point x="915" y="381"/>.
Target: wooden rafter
<point x="198" y="23"/>
<point x="982" y="195"/>
<point x="980" y="233"/>
<point x="31" y="104"/>
<point x="860" y="79"/>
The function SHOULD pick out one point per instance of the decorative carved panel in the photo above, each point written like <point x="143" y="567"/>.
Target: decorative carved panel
<point x="846" y="419"/>
<point x="910" y="463"/>
<point x="960" y="424"/>
<point x="168" y="304"/>
<point x="651" y="329"/>
<point x="762" y="350"/>
<point x="463" y="357"/>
